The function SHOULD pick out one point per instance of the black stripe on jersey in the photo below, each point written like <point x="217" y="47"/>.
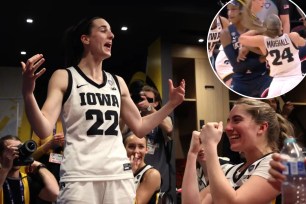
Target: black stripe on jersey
<point x="69" y="87"/>
<point x="117" y="82"/>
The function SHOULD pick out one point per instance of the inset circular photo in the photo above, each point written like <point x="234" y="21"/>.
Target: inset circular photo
<point x="257" y="48"/>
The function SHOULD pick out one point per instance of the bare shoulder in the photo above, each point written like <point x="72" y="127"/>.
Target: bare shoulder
<point x="123" y="86"/>
<point x="59" y="79"/>
<point x="153" y="174"/>
<point x="60" y="73"/>
<point x="297" y="39"/>
<point x="293" y="35"/>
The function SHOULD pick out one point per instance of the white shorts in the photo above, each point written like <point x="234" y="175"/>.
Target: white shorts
<point x="97" y="192"/>
<point x="281" y="85"/>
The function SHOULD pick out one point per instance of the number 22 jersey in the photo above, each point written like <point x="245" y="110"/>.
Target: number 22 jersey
<point x="94" y="150"/>
<point x="282" y="56"/>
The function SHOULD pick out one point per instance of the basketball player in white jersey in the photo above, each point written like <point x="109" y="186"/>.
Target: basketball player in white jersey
<point x="214" y="36"/>
<point x="95" y="168"/>
<point x="282" y="54"/>
<point x="253" y="128"/>
<point x="224" y="68"/>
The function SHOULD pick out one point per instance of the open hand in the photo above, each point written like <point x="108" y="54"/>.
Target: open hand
<point x="176" y="94"/>
<point x="28" y="72"/>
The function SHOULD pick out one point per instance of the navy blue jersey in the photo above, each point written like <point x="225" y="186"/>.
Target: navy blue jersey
<point x="302" y="53"/>
<point x="250" y="77"/>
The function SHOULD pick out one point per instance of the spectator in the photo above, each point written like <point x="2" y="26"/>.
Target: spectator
<point x="19" y="187"/>
<point x="50" y="150"/>
<point x="159" y="139"/>
<point x="147" y="178"/>
<point x="253" y="128"/>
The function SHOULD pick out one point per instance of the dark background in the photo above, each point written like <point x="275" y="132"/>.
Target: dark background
<point x="177" y="21"/>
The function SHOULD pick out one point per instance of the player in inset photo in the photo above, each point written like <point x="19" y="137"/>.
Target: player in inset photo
<point x="242" y="65"/>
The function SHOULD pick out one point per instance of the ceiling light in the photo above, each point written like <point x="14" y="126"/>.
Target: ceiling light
<point x="124" y="28"/>
<point x="23" y="52"/>
<point x="29" y="20"/>
<point x="201" y="40"/>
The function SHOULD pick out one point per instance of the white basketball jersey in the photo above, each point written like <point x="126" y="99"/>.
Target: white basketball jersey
<point x="138" y="176"/>
<point x="222" y="64"/>
<point x="214" y="36"/>
<point x="282" y="56"/>
<point x="94" y="149"/>
<point x="258" y="168"/>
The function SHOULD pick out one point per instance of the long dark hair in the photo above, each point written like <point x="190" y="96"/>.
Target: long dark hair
<point x="72" y="40"/>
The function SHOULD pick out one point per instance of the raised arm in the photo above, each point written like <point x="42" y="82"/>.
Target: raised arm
<point x="142" y="125"/>
<point x="42" y="121"/>
<point x="220" y="189"/>
<point x="167" y="125"/>
<point x="190" y="188"/>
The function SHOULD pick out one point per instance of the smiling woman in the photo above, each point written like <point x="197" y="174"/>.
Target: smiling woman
<point x="147" y="178"/>
<point x="93" y="124"/>
<point x="255" y="130"/>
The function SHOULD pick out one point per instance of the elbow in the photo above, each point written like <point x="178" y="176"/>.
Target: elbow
<point x="139" y="133"/>
<point x="54" y="194"/>
<point x="169" y="130"/>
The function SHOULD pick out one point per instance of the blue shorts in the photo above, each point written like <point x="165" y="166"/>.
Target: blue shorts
<point x="253" y="87"/>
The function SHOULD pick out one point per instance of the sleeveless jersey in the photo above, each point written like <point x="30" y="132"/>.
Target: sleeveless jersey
<point x="138" y="179"/>
<point x="94" y="150"/>
<point x="255" y="80"/>
<point x="258" y="168"/>
<point x="214" y="36"/>
<point x="282" y="56"/>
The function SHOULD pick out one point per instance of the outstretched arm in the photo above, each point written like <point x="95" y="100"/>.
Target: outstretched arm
<point x="142" y="125"/>
<point x="42" y="121"/>
<point x="190" y="188"/>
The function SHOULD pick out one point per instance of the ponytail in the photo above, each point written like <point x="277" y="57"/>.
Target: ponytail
<point x="286" y="130"/>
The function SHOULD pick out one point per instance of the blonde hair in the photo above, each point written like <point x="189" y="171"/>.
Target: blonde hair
<point x="273" y="26"/>
<point x="249" y="20"/>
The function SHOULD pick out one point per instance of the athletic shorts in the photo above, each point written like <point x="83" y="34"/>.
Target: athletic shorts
<point x="98" y="192"/>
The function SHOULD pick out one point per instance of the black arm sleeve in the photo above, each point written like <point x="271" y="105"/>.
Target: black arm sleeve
<point x="243" y="66"/>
